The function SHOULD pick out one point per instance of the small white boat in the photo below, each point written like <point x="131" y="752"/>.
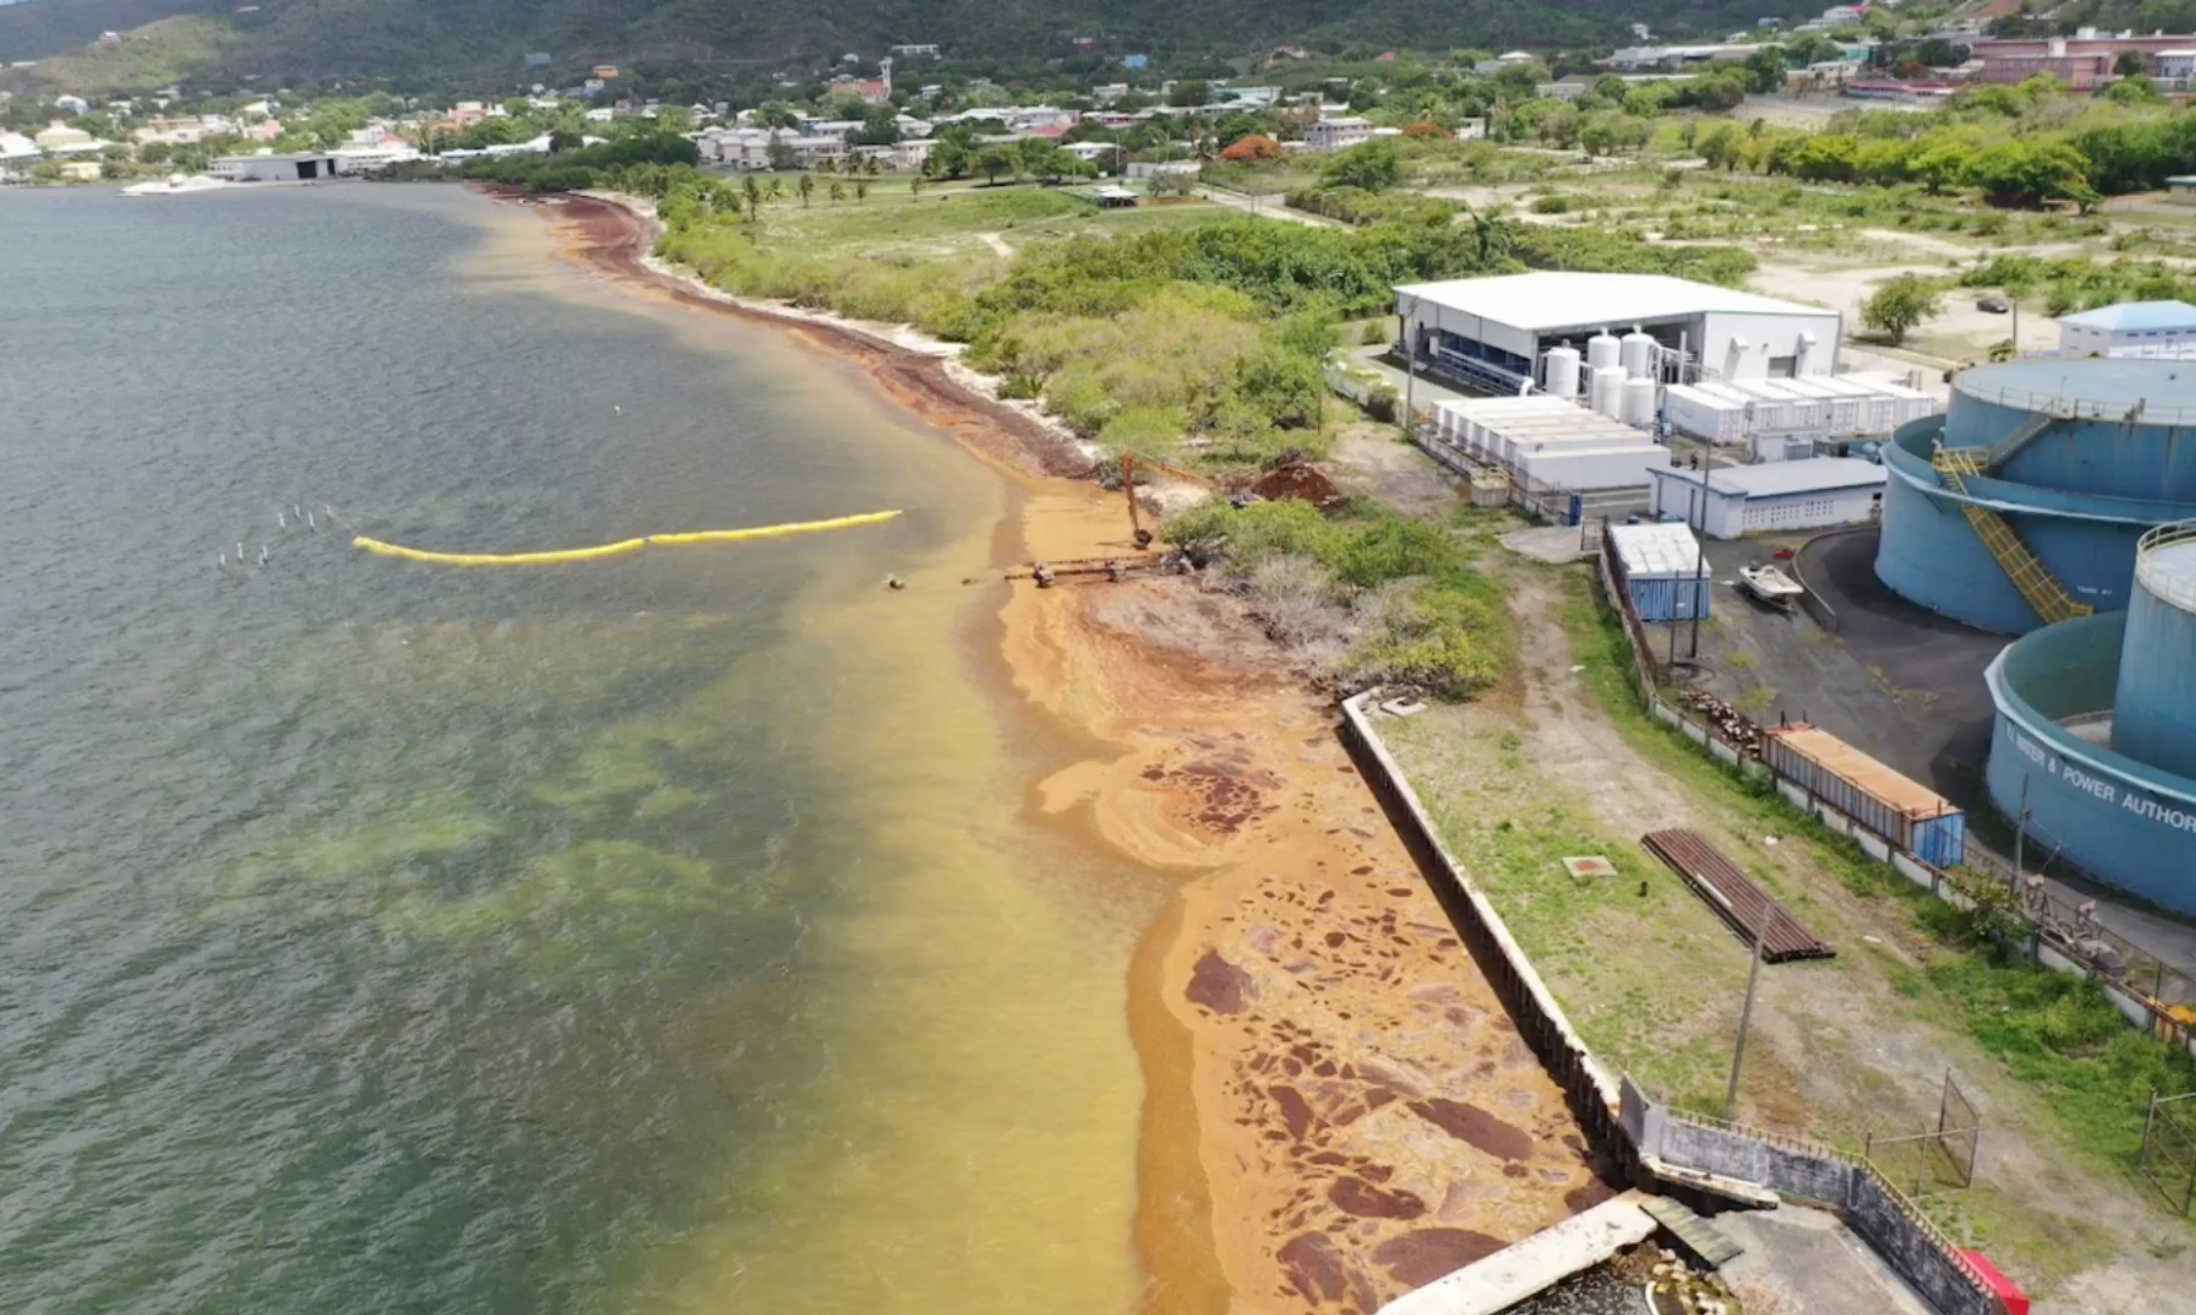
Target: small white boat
<point x="177" y="185"/>
<point x="1770" y="585"/>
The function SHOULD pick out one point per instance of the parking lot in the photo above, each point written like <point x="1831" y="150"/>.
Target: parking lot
<point x="1895" y="680"/>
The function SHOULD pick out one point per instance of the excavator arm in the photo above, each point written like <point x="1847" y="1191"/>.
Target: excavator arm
<point x="1130" y="463"/>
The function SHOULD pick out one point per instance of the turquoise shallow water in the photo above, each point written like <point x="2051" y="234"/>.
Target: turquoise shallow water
<point x="377" y="937"/>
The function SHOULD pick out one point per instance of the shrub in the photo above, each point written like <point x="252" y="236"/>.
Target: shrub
<point x="1554" y="203"/>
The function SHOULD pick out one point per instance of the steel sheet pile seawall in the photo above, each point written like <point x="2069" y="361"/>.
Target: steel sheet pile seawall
<point x="1901" y="810"/>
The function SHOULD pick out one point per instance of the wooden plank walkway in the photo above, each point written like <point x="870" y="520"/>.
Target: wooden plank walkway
<point x="1734" y="896"/>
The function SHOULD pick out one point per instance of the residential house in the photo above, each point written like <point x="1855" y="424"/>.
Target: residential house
<point x="71" y="105"/>
<point x="870" y="91"/>
<point x="2084" y="61"/>
<point x="750" y="148"/>
<point x="17" y="154"/>
<point x="60" y="139"/>
<point x="186" y="131"/>
<point x="1337" y="134"/>
<point x="917" y="50"/>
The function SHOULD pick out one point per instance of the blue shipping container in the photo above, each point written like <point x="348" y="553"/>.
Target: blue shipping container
<point x="1669" y="598"/>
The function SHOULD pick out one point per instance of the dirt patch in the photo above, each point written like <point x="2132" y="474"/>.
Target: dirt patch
<point x="1299" y="480"/>
<point x="1221" y="987"/>
<point x="1416" y="1259"/>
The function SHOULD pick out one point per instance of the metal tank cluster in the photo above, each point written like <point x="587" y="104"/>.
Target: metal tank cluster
<point x="2056" y="500"/>
<point x="2023" y="503"/>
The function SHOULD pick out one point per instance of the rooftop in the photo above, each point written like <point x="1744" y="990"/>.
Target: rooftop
<point x="2110" y="386"/>
<point x="1892" y="787"/>
<point x="1659" y="548"/>
<point x="2136" y="315"/>
<point x="1773" y="479"/>
<point x="1551" y="299"/>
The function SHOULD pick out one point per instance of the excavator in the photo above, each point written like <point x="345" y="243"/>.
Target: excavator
<point x="1130" y="464"/>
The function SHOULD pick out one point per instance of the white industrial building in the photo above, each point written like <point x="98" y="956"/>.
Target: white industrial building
<point x="2132" y="328"/>
<point x="1778" y="417"/>
<point x="1511" y="330"/>
<point x="273" y="168"/>
<point x="1786" y="495"/>
<point x="1546" y="442"/>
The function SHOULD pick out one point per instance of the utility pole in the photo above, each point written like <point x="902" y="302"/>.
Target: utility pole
<point x="2020" y="837"/>
<point x="1746" y="1014"/>
<point x="1410" y="368"/>
<point x="1700" y="545"/>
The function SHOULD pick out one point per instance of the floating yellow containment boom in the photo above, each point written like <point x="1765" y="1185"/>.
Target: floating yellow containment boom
<point x="621" y="547"/>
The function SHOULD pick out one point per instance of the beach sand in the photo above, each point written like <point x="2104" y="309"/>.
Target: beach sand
<point x="1336" y="1109"/>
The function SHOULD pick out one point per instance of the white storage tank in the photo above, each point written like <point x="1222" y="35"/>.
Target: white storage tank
<point x="1609" y="391"/>
<point x="1602" y="351"/>
<point x="1639" y="402"/>
<point x="1562" y="373"/>
<point x="1637" y="353"/>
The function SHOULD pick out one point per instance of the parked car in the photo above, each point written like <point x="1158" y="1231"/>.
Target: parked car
<point x="1993" y="303"/>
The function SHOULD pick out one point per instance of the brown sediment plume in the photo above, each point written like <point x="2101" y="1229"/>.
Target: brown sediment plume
<point x="1337" y="1109"/>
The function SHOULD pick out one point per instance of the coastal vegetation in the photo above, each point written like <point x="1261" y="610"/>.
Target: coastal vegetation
<point x="1366" y="593"/>
<point x="1179" y="332"/>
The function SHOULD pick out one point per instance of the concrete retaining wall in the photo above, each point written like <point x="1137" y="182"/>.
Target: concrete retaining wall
<point x="1517" y="1271"/>
<point x="1801" y="1170"/>
<point x="1623" y="1124"/>
<point x="1588" y="1088"/>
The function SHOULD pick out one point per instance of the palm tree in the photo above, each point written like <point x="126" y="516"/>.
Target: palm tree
<point x="776" y="190"/>
<point x="807" y="186"/>
<point x="753" y="192"/>
<point x="837" y="192"/>
<point x="915" y="185"/>
<point x="861" y="190"/>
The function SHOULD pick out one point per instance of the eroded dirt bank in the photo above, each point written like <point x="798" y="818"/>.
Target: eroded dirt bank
<point x="1337" y="1109"/>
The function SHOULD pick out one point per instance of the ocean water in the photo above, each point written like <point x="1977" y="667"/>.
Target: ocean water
<point x="663" y="933"/>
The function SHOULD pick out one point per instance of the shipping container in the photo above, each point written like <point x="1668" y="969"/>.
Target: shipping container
<point x="1581" y="467"/>
<point x="1659" y="567"/>
<point x="1901" y="810"/>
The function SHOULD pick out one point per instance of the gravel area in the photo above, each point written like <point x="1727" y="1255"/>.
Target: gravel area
<point x="1596" y="1291"/>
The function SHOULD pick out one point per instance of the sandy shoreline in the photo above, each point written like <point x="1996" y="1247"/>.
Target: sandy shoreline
<point x="1337" y="1109"/>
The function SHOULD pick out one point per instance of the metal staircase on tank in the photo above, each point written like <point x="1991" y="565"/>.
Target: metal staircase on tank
<point x="2028" y="431"/>
<point x="2029" y="575"/>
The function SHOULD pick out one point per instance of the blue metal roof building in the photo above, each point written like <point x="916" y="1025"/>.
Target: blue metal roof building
<point x="2128" y="328"/>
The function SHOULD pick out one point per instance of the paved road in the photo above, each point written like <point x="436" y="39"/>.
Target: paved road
<point x="1899" y="682"/>
<point x="1269" y="207"/>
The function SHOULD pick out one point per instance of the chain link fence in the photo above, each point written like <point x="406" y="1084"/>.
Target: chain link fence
<point x="2168" y="1158"/>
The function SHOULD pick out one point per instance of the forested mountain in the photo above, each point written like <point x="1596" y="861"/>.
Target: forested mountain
<point x="456" y="37"/>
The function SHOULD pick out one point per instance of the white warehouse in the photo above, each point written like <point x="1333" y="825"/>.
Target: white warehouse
<point x="1783" y="495"/>
<point x="2132" y="328"/>
<point x="1498" y="331"/>
<point x="272" y="168"/>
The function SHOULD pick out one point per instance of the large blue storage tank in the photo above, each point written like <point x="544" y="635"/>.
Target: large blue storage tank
<point x="2119" y="428"/>
<point x="2114" y="453"/>
<point x="2154" y="709"/>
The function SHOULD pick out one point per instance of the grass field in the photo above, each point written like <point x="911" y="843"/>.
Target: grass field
<point x="1567" y="765"/>
<point x="948" y="221"/>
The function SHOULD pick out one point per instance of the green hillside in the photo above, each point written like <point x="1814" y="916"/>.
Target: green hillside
<point x="457" y="38"/>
